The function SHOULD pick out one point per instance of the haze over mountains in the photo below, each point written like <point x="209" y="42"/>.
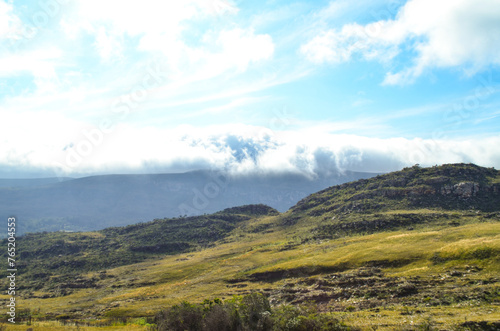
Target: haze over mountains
<point x="97" y="202"/>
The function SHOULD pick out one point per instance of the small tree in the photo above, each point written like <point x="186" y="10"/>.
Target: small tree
<point x="256" y="312"/>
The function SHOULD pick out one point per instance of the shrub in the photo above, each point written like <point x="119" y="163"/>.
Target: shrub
<point x="180" y="318"/>
<point x="305" y="318"/>
<point x="220" y="318"/>
<point x="255" y="312"/>
<point x="249" y="313"/>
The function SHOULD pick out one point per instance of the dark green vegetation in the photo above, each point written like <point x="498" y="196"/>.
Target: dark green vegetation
<point x="244" y="313"/>
<point x="421" y="245"/>
<point x="448" y="187"/>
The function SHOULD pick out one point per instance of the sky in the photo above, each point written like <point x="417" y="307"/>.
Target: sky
<point x="312" y="87"/>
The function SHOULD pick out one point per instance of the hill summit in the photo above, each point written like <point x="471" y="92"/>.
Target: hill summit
<point x="451" y="186"/>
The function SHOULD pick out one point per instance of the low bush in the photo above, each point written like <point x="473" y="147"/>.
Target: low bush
<point x="249" y="313"/>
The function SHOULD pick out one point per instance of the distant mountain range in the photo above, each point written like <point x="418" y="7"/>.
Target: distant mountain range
<point x="97" y="202"/>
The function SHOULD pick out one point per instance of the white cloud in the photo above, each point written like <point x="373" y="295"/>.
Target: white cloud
<point x="108" y="47"/>
<point x="133" y="17"/>
<point x="10" y="24"/>
<point x="219" y="51"/>
<point x="66" y="147"/>
<point x="241" y="47"/>
<point x="443" y="34"/>
<point x="156" y="25"/>
<point x="162" y="26"/>
<point x="84" y="48"/>
<point x="340" y="46"/>
<point x="40" y="64"/>
<point x="185" y="37"/>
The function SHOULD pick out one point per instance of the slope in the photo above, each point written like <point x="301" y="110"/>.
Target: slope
<point x="358" y="251"/>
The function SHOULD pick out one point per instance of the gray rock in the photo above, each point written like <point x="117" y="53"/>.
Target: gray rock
<point x="463" y="190"/>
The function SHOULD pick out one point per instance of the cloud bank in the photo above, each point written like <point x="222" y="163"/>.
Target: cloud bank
<point x="238" y="149"/>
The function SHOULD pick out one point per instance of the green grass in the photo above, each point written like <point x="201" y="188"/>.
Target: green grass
<point x="227" y="269"/>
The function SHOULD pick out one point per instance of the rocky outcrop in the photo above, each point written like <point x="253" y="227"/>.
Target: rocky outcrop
<point x="463" y="190"/>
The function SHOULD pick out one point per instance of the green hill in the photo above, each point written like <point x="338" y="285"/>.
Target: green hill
<point x="448" y="187"/>
<point x="406" y="250"/>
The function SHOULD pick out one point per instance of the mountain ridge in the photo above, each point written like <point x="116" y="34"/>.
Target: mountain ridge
<point x="97" y="202"/>
<point x="413" y="187"/>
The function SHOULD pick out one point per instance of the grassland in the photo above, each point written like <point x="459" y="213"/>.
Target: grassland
<point x="406" y="267"/>
<point x="454" y="268"/>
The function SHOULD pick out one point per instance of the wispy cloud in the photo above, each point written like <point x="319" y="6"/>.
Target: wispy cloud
<point x="444" y="34"/>
<point x="10" y="24"/>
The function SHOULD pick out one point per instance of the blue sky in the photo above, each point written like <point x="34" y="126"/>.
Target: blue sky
<point x="90" y="87"/>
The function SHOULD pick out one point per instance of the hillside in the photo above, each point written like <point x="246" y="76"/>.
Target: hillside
<point x="51" y="260"/>
<point x="458" y="186"/>
<point x="407" y="250"/>
<point x="368" y="205"/>
<point x="97" y="202"/>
